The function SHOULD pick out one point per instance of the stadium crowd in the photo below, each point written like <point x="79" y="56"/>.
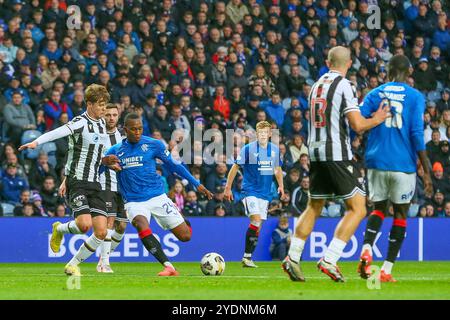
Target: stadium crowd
<point x="208" y="64"/>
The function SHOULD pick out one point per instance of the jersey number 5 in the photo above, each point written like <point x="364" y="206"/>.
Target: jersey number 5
<point x="318" y="112"/>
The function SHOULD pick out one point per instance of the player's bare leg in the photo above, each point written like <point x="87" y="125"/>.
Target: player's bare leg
<point x="251" y="240"/>
<point x="153" y="245"/>
<point x="374" y="222"/>
<point x="396" y="237"/>
<point x="304" y="227"/>
<point x="183" y="232"/>
<point x="356" y="211"/>
<point x="99" y="224"/>
<point x="78" y="226"/>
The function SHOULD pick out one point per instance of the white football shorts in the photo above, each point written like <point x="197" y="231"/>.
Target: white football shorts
<point x="399" y="187"/>
<point x="254" y="205"/>
<point x="165" y="212"/>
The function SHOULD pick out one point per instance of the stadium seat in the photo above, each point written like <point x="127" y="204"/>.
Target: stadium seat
<point x="8" y="209"/>
<point x="27" y="137"/>
<point x="50" y="149"/>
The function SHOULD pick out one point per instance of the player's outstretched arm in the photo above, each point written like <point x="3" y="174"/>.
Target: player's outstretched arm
<point x="58" y="133"/>
<point x="360" y="124"/>
<point x="228" y="195"/>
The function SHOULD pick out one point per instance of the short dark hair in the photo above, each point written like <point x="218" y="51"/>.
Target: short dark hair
<point x="132" y="116"/>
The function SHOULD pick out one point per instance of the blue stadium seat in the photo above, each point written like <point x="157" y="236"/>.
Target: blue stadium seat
<point x="8" y="209"/>
<point x="50" y="149"/>
<point x="29" y="136"/>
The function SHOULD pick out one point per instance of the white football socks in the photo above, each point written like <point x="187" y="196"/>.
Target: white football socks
<point x="296" y="249"/>
<point x="69" y="227"/>
<point x="115" y="239"/>
<point x="106" y="248"/>
<point x="334" y="251"/>
<point x="366" y="247"/>
<point x="387" y="267"/>
<point x="86" y="250"/>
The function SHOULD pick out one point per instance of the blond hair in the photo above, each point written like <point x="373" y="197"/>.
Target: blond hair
<point x="262" y="125"/>
<point x="95" y="93"/>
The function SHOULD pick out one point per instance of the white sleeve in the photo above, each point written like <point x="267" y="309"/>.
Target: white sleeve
<point x="349" y="97"/>
<point x="60" y="132"/>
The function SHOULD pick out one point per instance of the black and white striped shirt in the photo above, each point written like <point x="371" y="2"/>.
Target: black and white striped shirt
<point x="108" y="178"/>
<point x="330" y="99"/>
<point x="86" y="146"/>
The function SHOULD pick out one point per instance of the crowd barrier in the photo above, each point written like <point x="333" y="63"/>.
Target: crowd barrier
<point x="27" y="240"/>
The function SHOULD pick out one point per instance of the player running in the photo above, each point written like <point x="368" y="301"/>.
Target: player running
<point x="87" y="138"/>
<point x="391" y="159"/>
<point x="117" y="219"/>
<point x="259" y="160"/>
<point x="142" y="188"/>
<point x="334" y="109"/>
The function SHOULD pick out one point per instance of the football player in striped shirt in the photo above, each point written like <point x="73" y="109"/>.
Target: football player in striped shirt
<point x="87" y="139"/>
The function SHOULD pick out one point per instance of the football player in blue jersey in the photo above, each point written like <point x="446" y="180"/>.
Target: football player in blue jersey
<point x="391" y="160"/>
<point x="260" y="160"/>
<point x="143" y="190"/>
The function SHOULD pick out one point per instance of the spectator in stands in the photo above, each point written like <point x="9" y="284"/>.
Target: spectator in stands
<point x="40" y="170"/>
<point x="162" y="122"/>
<point x="178" y="195"/>
<point x="424" y="77"/>
<point x="217" y="178"/>
<point x="218" y="200"/>
<point x="281" y="239"/>
<point x="274" y="108"/>
<point x="12" y="185"/>
<point x="297" y="147"/>
<point x="300" y="196"/>
<point x="18" y="118"/>
<point x="447" y="209"/>
<point x="439" y="180"/>
<point x="439" y="203"/>
<point x="191" y="206"/>
<point x="49" y="194"/>
<point x="53" y="109"/>
<point x="444" y="103"/>
<point x="50" y="74"/>
<point x="61" y="211"/>
<point x="25" y="199"/>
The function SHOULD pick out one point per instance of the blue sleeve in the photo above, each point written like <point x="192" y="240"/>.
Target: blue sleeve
<point x="416" y="132"/>
<point x="110" y="151"/>
<point x="164" y="155"/>
<point x="369" y="106"/>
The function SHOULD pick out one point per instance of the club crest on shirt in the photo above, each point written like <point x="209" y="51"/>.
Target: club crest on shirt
<point x="350" y="168"/>
<point x="144" y="147"/>
<point x="95" y="138"/>
<point x="255" y="154"/>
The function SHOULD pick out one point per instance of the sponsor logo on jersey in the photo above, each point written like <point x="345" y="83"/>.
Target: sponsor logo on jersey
<point x="144" y="147"/>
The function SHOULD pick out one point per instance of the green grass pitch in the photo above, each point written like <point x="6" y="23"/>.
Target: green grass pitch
<point x="416" y="280"/>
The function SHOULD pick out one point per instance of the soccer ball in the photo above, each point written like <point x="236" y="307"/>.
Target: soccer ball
<point x="212" y="264"/>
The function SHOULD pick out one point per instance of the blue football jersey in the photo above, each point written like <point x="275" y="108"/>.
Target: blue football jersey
<point x="394" y="144"/>
<point x="258" y="166"/>
<point x="138" y="179"/>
